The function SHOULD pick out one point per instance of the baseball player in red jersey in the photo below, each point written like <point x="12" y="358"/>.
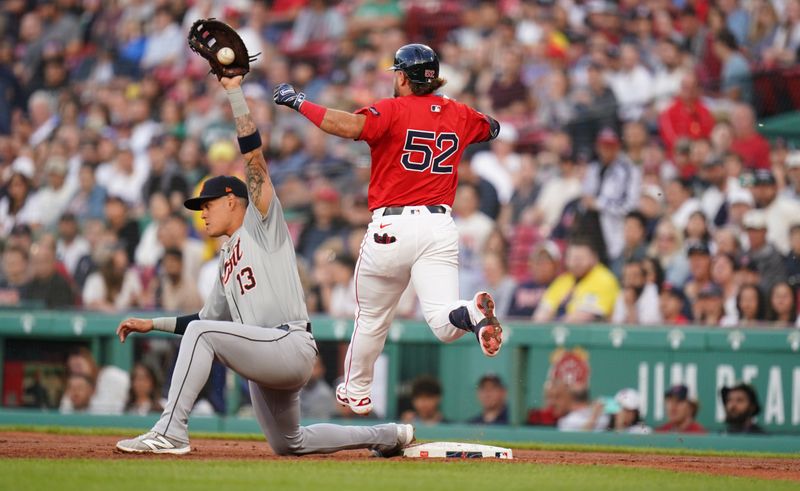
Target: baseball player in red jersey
<point x="416" y="140"/>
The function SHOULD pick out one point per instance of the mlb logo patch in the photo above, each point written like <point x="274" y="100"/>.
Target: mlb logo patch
<point x="436" y="109"/>
<point x="374" y="111"/>
<point x="430" y="73"/>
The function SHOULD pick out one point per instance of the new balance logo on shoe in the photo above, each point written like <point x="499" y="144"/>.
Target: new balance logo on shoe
<point x="158" y="443"/>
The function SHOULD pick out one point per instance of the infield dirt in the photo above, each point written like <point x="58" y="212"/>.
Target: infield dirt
<point x="44" y="445"/>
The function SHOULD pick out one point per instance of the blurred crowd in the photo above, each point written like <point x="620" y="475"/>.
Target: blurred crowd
<point x="629" y="182"/>
<point x="567" y="405"/>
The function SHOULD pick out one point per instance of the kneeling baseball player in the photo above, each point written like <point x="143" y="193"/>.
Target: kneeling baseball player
<point x="255" y="320"/>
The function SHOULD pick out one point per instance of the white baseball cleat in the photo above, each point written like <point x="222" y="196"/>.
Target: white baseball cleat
<point x="360" y="406"/>
<point x="405" y="437"/>
<point x="152" y="442"/>
<point x="490" y="333"/>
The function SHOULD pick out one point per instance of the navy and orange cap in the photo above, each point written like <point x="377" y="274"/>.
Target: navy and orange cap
<point x="216" y="187"/>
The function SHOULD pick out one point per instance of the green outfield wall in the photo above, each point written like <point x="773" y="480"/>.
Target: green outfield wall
<point x="649" y="359"/>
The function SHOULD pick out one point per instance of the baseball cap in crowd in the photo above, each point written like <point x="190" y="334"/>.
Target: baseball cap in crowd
<point x="491" y="378"/>
<point x="710" y="291"/>
<point x="763" y="177"/>
<point x="747" y="389"/>
<point x="216" y="187"/>
<point x="741" y="196"/>
<point x="628" y="399"/>
<point x="679" y="392"/>
<point x="755" y="220"/>
<point x="793" y="160"/>
<point x="608" y="136"/>
<point x="548" y="247"/>
<point x="698" y="248"/>
<point x="23" y="165"/>
<point x="653" y="192"/>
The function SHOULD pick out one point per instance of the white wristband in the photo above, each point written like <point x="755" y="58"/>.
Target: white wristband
<point x="166" y="324"/>
<point x="238" y="103"/>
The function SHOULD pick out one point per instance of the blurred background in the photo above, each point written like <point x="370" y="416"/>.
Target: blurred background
<point x="645" y="174"/>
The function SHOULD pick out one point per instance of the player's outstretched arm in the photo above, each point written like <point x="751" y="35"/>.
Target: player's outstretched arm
<point x="175" y="325"/>
<point x="259" y="184"/>
<point x="335" y="122"/>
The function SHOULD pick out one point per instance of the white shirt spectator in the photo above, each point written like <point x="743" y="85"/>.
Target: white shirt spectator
<point x="51" y="203"/>
<point x="473" y="232"/>
<point x="633" y="90"/>
<point x="164" y="46"/>
<point x="681" y="216"/>
<point x="209" y="272"/>
<point x="499" y="174"/>
<point x="576" y="420"/>
<point x="666" y="85"/>
<point x="95" y="290"/>
<point x="343" y="300"/>
<point x="70" y="254"/>
<point x="149" y="250"/>
<point x="782" y="213"/>
<point x="127" y="186"/>
<point x="647" y="307"/>
<point x="554" y="196"/>
<point x="27" y="215"/>
<point x="111" y="392"/>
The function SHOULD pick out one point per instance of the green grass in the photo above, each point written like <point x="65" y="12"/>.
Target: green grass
<point x="299" y="474"/>
<point x="567" y="447"/>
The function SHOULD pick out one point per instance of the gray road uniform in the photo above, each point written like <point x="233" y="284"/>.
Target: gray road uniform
<point x="255" y="322"/>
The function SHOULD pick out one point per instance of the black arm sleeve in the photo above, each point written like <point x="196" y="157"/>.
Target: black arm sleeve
<point x="183" y="321"/>
<point x="494" y="128"/>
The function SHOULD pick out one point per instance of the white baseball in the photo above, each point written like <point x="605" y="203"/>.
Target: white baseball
<point x="226" y="56"/>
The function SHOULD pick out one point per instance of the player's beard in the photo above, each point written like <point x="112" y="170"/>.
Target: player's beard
<point x="396" y="88"/>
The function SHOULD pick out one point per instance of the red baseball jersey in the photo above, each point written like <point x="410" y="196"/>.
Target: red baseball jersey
<point x="416" y="144"/>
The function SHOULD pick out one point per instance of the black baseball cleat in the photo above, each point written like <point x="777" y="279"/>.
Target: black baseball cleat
<point x="405" y="437"/>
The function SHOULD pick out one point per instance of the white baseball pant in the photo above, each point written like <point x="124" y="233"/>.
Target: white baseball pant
<point x="425" y="252"/>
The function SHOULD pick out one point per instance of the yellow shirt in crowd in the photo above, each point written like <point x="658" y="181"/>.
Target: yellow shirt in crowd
<point x="595" y="293"/>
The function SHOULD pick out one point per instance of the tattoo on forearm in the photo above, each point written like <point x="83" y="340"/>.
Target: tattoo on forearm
<point x="245" y="125"/>
<point x="255" y="165"/>
<point x="256" y="174"/>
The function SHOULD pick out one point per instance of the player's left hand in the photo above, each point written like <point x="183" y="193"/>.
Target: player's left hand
<point x="133" y="325"/>
<point x="231" y="83"/>
<point x="285" y="95"/>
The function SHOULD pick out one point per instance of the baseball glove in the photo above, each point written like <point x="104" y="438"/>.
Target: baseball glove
<point x="208" y="36"/>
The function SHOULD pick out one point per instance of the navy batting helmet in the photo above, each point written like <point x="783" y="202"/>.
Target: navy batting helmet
<point x="418" y="62"/>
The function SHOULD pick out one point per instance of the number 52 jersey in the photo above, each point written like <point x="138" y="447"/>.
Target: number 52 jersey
<point x="416" y="144"/>
<point x="257" y="283"/>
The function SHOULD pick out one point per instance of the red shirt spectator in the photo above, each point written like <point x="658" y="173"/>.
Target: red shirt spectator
<point x="687" y="117"/>
<point x="694" y="427"/>
<point x="681" y="412"/>
<point x="747" y="142"/>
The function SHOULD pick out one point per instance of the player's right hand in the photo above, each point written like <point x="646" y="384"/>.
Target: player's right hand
<point x="133" y="325"/>
<point x="285" y="95"/>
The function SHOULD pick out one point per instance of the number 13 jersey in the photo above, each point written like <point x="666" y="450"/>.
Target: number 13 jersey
<point x="416" y="144"/>
<point x="258" y="283"/>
